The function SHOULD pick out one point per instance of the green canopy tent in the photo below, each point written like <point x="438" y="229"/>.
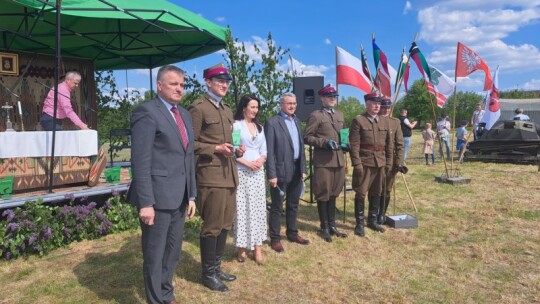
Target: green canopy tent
<point x="114" y="34"/>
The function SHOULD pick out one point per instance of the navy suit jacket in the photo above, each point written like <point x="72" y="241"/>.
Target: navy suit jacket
<point x="279" y="145"/>
<point x="163" y="170"/>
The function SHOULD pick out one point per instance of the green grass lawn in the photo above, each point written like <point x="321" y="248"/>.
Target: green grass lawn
<point x="476" y="243"/>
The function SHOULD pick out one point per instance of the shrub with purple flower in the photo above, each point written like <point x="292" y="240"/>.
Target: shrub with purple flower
<point x="37" y="228"/>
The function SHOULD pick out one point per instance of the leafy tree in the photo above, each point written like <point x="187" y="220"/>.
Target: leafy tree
<point x="519" y="94"/>
<point x="240" y="66"/>
<point x="263" y="79"/>
<point x="114" y="108"/>
<point x="270" y="81"/>
<point x="418" y="103"/>
<point x="465" y="105"/>
<point x="351" y="107"/>
<point x="194" y="90"/>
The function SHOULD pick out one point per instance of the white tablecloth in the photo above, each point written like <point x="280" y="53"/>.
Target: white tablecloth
<point x="39" y="144"/>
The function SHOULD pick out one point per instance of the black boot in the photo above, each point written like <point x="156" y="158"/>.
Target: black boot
<point x="359" y="216"/>
<point x="208" y="262"/>
<point x="385" y="201"/>
<point x="322" y="208"/>
<point x="374" y="205"/>
<point x="220" y="249"/>
<point x="332" y="219"/>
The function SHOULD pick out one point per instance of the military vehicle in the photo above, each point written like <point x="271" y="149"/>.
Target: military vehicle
<point x="508" y="141"/>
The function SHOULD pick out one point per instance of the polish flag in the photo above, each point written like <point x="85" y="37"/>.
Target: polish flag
<point x="349" y="71"/>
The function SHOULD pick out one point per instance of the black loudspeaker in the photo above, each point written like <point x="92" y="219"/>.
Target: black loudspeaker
<point x="305" y="89"/>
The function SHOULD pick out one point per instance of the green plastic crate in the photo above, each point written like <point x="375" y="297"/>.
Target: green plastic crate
<point x="6" y="187"/>
<point x="112" y="175"/>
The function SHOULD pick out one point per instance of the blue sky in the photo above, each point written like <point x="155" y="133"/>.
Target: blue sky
<point x="505" y="33"/>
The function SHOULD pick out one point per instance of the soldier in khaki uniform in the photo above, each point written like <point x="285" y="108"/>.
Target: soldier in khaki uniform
<point x="322" y="132"/>
<point x="371" y="151"/>
<point x="396" y="165"/>
<point x="217" y="175"/>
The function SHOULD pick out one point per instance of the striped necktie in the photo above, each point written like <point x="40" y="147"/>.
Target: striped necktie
<point x="181" y="126"/>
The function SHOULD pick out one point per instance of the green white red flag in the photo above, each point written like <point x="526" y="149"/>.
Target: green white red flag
<point x="402" y="69"/>
<point x="349" y="71"/>
<point x="468" y="61"/>
<point x="420" y="60"/>
<point x="441" y="86"/>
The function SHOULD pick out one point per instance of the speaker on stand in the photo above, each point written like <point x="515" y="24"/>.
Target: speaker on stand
<point x="305" y="89"/>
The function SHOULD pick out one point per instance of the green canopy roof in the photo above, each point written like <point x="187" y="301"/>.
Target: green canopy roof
<point x="115" y="34"/>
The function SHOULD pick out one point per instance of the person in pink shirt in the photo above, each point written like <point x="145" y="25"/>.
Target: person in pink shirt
<point x="64" y="109"/>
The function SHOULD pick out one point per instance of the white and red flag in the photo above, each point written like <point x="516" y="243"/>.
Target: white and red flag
<point x="349" y="71"/>
<point x="468" y="61"/>
<point x="492" y="110"/>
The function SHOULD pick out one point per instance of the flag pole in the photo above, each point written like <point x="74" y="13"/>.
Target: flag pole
<point x="400" y="81"/>
<point x="346" y="163"/>
<point x="454" y="117"/>
<point x="377" y="79"/>
<point x="363" y="56"/>
<point x="438" y="135"/>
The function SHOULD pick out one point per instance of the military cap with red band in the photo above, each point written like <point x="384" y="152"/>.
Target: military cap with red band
<point x="328" y="91"/>
<point x="217" y="71"/>
<point x="374" y="96"/>
<point x="386" y="102"/>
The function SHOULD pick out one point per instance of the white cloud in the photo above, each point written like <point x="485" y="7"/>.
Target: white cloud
<point x="407" y="8"/>
<point x="300" y="69"/>
<point x="327" y="41"/>
<point x="221" y="19"/>
<point x="146" y="72"/>
<point x="483" y="26"/>
<point x="533" y="84"/>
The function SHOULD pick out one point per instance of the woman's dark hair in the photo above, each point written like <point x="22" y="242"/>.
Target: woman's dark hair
<point x="244" y="101"/>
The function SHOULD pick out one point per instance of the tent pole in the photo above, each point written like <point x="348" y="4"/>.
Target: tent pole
<point x="56" y="80"/>
<point x="151" y="85"/>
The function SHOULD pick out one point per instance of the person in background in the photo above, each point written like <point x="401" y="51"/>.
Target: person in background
<point x="461" y="137"/>
<point x="476" y="118"/>
<point x="406" y="129"/>
<point x="250" y="221"/>
<point x="443" y="131"/>
<point x="163" y="187"/>
<point x="286" y="170"/>
<point x="64" y="108"/>
<point x="323" y="133"/>
<point x="520" y="116"/>
<point x="217" y="175"/>
<point x="429" y="138"/>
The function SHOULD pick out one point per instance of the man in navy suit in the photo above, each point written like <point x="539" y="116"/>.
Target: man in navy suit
<point x="286" y="170"/>
<point x="163" y="186"/>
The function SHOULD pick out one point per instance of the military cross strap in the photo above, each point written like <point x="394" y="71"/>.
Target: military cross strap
<point x="181" y="126"/>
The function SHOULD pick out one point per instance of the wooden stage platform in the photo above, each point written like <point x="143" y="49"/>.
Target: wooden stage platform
<point x="70" y="192"/>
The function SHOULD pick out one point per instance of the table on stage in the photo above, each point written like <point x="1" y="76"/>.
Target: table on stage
<point x="26" y="155"/>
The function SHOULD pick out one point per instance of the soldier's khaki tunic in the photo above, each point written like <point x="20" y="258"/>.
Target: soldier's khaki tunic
<point x="396" y="136"/>
<point x="329" y="165"/>
<point x="371" y="148"/>
<point x="217" y="175"/>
